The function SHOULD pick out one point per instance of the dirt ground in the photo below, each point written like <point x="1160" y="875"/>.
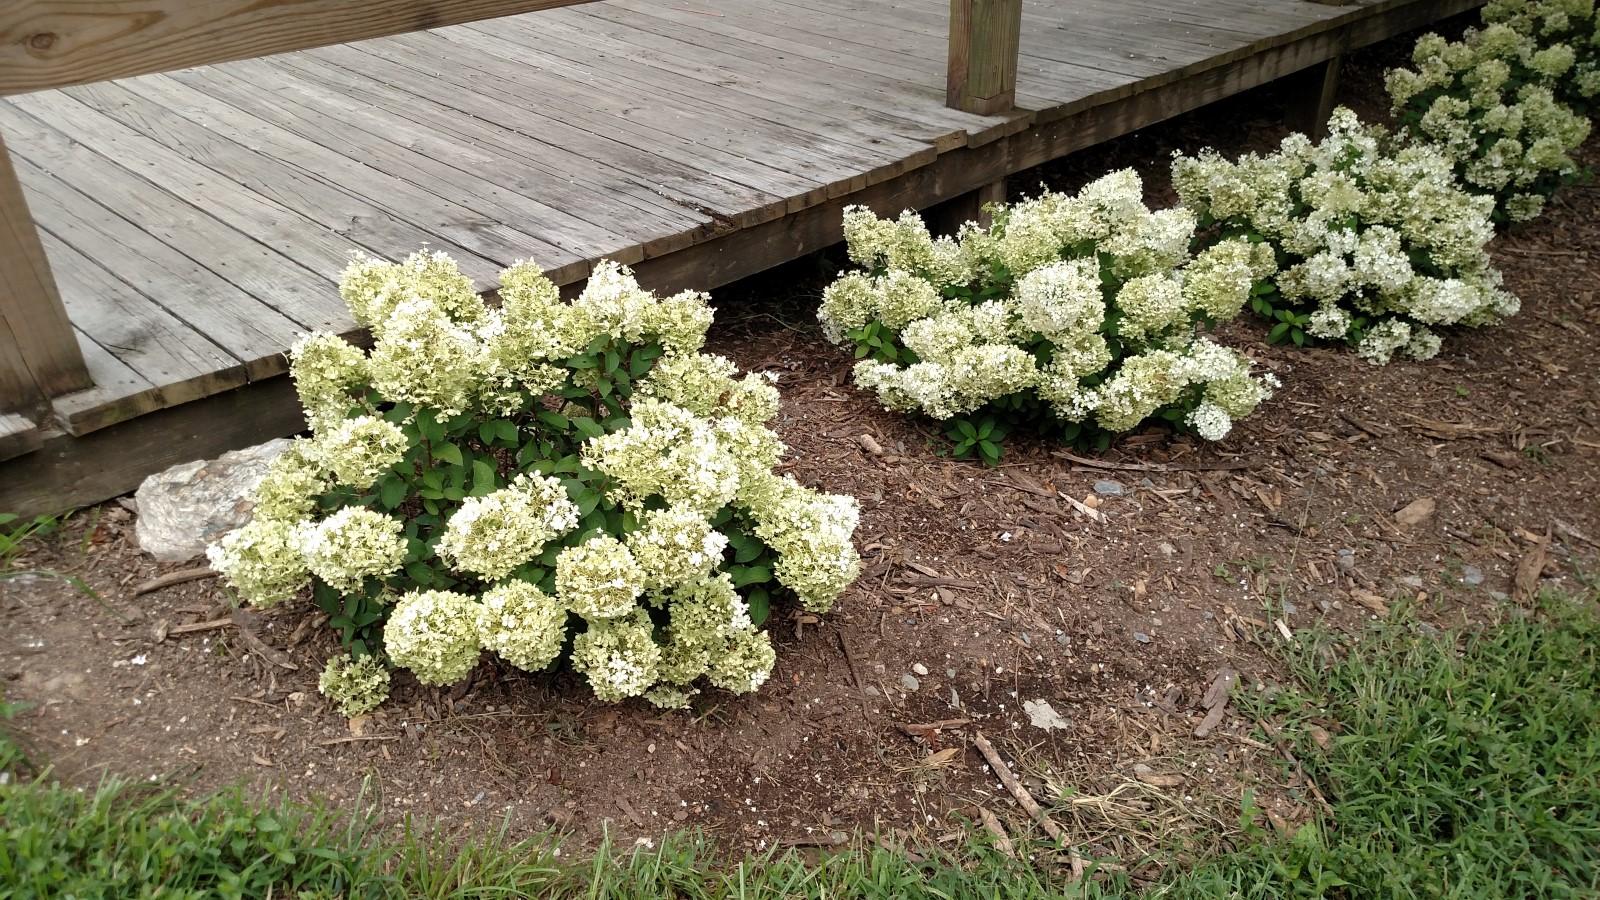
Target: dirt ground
<point x="1116" y="590"/>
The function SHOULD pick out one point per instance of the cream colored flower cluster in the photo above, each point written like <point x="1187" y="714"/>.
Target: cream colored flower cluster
<point x="1367" y="234"/>
<point x="641" y="593"/>
<point x="1493" y="104"/>
<point x="1085" y="302"/>
<point x="1557" y="29"/>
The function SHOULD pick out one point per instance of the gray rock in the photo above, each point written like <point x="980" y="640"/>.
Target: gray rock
<point x="909" y="683"/>
<point x="1346" y="560"/>
<point x="1105" y="487"/>
<point x="1472" y="575"/>
<point x="1411" y="581"/>
<point x="919" y="668"/>
<point x="1141" y="637"/>
<point x="186" y="508"/>
<point x="1289" y="608"/>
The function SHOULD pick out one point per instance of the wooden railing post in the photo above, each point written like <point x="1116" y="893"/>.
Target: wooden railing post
<point x="984" y="39"/>
<point x="39" y="355"/>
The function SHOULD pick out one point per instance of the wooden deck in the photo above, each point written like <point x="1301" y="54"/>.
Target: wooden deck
<point x="195" y="220"/>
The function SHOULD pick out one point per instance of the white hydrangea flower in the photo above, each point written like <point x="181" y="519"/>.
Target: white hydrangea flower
<point x="289" y="489"/>
<point x="1382" y="339"/>
<point x="811" y="533"/>
<point x="423" y="357"/>
<point x="358" y="686"/>
<point x="619" y="657"/>
<point x="745" y="664"/>
<point x="435" y="635"/>
<point x="352" y="545"/>
<point x="599" y="578"/>
<point x="674" y="546"/>
<point x="521" y="624"/>
<point x="1210" y="421"/>
<point x="358" y="450"/>
<point x="667" y="451"/>
<point x="703" y="617"/>
<point x="328" y="373"/>
<point x="491" y="535"/>
<point x="262" y="561"/>
<point x="1062" y="300"/>
<point x="372" y="288"/>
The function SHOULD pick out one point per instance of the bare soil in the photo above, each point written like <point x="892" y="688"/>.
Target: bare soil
<point x="1116" y="589"/>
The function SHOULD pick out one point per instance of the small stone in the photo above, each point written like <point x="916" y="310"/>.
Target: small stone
<point x="870" y="691"/>
<point x="1289" y="608"/>
<point x="909" y="683"/>
<point x="1346" y="560"/>
<point x="1043" y="715"/>
<point x="949" y="673"/>
<point x="1472" y="575"/>
<point x="1411" y="581"/>
<point x="1141" y="637"/>
<point x="1167" y="549"/>
<point x="919" y="668"/>
<point x="1105" y="487"/>
<point x="1499" y="596"/>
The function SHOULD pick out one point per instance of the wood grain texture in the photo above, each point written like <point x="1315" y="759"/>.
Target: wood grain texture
<point x="985" y="37"/>
<point x="18" y="435"/>
<point x="55" y="43"/>
<point x="39" y="354"/>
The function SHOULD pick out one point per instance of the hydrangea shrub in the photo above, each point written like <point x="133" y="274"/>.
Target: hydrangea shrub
<point x="1074" y="315"/>
<point x="1493" y="103"/>
<point x="543" y="480"/>
<point x="1376" y="244"/>
<point x="1558" y="45"/>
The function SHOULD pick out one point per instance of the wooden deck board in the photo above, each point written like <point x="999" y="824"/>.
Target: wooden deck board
<point x="197" y="220"/>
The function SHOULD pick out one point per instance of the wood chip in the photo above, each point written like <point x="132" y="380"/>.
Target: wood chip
<point x="1416" y="512"/>
<point x="1371" y="601"/>
<point x="1525" y="585"/>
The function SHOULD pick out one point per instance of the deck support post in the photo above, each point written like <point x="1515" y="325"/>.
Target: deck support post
<point x="1318" y="92"/>
<point x="984" y="40"/>
<point x="39" y="354"/>
<point x="946" y="218"/>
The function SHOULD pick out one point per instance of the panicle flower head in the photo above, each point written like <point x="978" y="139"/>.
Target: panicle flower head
<point x="811" y="533"/>
<point x="288" y="491"/>
<point x="619" y="656"/>
<point x="599" y="578"/>
<point x="352" y="545"/>
<point x="521" y="624"/>
<point x="262" y="561"/>
<point x="674" y="546"/>
<point x="435" y="635"/>
<point x="358" y="450"/>
<point x="328" y="374"/>
<point x="424" y="358"/>
<point x="358" y="686"/>
<point x="491" y="535"/>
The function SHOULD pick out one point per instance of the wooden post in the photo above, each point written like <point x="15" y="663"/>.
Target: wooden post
<point x="946" y="218"/>
<point x="39" y="355"/>
<point x="984" y="36"/>
<point x="1318" y="89"/>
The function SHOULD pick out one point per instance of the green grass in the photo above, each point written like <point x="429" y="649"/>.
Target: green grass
<point x="1459" y="768"/>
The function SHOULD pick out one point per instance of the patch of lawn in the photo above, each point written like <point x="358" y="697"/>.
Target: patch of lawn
<point x="1460" y="767"/>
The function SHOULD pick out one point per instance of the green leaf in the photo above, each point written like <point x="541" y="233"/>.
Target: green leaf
<point x="392" y="491"/>
<point x="484" y="477"/>
<point x="1278" y="331"/>
<point x="966" y="429"/>
<point x="990" y="451"/>
<point x="746" y="575"/>
<point x="448" y="453"/>
<point x="759" y="600"/>
<point x="1298" y="336"/>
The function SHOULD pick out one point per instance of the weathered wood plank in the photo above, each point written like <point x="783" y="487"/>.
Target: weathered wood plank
<point x="18" y="435"/>
<point x="55" y="43"/>
<point x="368" y="221"/>
<point x="39" y="356"/>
